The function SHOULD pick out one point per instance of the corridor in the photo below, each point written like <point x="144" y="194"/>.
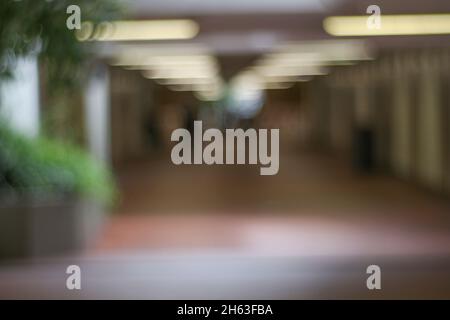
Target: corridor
<point x="316" y="205"/>
<point x="309" y="232"/>
<point x="360" y="116"/>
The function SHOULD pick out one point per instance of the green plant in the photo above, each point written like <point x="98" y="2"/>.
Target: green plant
<point x="43" y="166"/>
<point x="29" y="24"/>
<point x="36" y="167"/>
<point x="39" y="27"/>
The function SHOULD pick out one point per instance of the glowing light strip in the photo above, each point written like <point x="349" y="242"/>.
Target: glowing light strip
<point x="391" y="25"/>
<point x="139" y="30"/>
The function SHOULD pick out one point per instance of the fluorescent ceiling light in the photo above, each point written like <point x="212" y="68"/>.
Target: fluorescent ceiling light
<point x="325" y="51"/>
<point x="291" y="59"/>
<point x="300" y="61"/>
<point x="194" y="87"/>
<point x="288" y="62"/>
<point x="313" y="55"/>
<point x="140" y="30"/>
<point x="186" y="69"/>
<point x="419" y="24"/>
<point x="166" y="60"/>
<point x="177" y="74"/>
<point x="170" y="63"/>
<point x="281" y="71"/>
<point x="187" y="81"/>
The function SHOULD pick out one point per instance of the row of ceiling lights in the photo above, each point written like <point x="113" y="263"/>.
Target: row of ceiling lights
<point x="144" y="30"/>
<point x="300" y="62"/>
<point x="199" y="72"/>
<point x="196" y="72"/>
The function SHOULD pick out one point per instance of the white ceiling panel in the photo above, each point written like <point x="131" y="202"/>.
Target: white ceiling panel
<point x="178" y="7"/>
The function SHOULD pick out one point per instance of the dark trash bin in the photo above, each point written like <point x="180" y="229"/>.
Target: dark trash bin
<point x="363" y="150"/>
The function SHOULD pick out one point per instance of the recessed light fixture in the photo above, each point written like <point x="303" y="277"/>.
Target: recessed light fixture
<point x="301" y="61"/>
<point x="140" y="30"/>
<point x="391" y="25"/>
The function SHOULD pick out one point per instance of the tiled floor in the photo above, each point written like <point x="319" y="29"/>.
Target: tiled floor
<point x="226" y="232"/>
<point x="315" y="205"/>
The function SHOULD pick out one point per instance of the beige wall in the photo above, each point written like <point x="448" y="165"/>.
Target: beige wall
<point x="401" y="124"/>
<point x="130" y="99"/>
<point x="412" y="129"/>
<point x="429" y="126"/>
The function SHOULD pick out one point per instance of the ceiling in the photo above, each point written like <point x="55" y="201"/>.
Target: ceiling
<point x="206" y="7"/>
<point x="239" y="31"/>
<point x="250" y="27"/>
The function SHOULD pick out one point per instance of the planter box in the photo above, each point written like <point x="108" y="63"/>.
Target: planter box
<point x="32" y="229"/>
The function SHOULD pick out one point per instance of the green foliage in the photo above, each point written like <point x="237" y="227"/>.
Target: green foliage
<point x="30" y="166"/>
<point x="28" y="25"/>
<point x="42" y="167"/>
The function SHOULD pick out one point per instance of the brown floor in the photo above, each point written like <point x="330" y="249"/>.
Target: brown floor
<point x="315" y="205"/>
<point x="186" y="232"/>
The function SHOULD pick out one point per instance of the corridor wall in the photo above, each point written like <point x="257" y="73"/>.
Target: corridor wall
<point x="403" y="98"/>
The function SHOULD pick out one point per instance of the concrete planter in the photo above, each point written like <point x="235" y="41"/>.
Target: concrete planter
<point x="32" y="229"/>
